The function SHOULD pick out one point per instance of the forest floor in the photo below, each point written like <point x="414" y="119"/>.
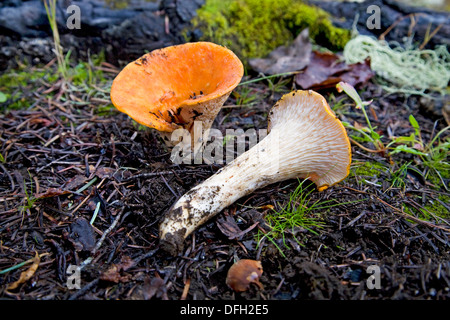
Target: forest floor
<point x="67" y="153"/>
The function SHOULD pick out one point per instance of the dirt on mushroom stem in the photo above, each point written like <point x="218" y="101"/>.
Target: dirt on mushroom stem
<point x="305" y="141"/>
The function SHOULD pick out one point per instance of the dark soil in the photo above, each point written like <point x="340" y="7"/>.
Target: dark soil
<point x="55" y="148"/>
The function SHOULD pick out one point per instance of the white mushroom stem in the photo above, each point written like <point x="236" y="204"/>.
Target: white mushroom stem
<point x="204" y="112"/>
<point x="305" y="141"/>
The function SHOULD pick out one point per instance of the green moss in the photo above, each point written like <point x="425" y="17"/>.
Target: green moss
<point x="253" y="28"/>
<point x="15" y="83"/>
<point x="438" y="209"/>
<point x="435" y="179"/>
<point x="367" y="169"/>
<point x="86" y="73"/>
<point x="19" y="85"/>
<point x="431" y="210"/>
<point x="320" y="27"/>
<point x="105" y="110"/>
<point x="16" y="78"/>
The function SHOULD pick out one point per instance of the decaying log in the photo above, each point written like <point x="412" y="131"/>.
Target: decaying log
<point x="123" y="34"/>
<point x="126" y="34"/>
<point x="397" y="20"/>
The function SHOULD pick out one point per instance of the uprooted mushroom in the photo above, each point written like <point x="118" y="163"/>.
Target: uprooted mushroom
<point x="170" y="88"/>
<point x="305" y="140"/>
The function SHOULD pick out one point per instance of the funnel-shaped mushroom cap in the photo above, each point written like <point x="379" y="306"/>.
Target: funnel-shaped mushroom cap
<point x="314" y="143"/>
<point x="170" y="88"/>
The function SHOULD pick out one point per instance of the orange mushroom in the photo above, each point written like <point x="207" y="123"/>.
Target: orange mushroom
<point x="170" y="88"/>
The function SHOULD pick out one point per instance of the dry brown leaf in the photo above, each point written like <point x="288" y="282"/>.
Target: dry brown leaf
<point x="325" y="70"/>
<point x="155" y="288"/>
<point x="228" y="226"/>
<point x="285" y="59"/>
<point x="75" y="182"/>
<point x="105" y="172"/>
<point x="113" y="274"/>
<point x="27" y="274"/>
<point x="126" y="263"/>
<point x="358" y="74"/>
<point x="51" y="192"/>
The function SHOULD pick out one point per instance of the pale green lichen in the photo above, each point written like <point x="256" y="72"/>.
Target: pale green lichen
<point x="409" y="69"/>
<point x="253" y="28"/>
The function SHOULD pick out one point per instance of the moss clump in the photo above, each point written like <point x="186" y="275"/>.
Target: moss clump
<point x="106" y="110"/>
<point x="253" y="28"/>
<point x="17" y="85"/>
<point x="368" y="169"/>
<point x="22" y="77"/>
<point x="431" y="210"/>
<point x="20" y="85"/>
<point x="438" y="208"/>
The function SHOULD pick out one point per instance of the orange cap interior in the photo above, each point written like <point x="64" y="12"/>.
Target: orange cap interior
<point x="153" y="89"/>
